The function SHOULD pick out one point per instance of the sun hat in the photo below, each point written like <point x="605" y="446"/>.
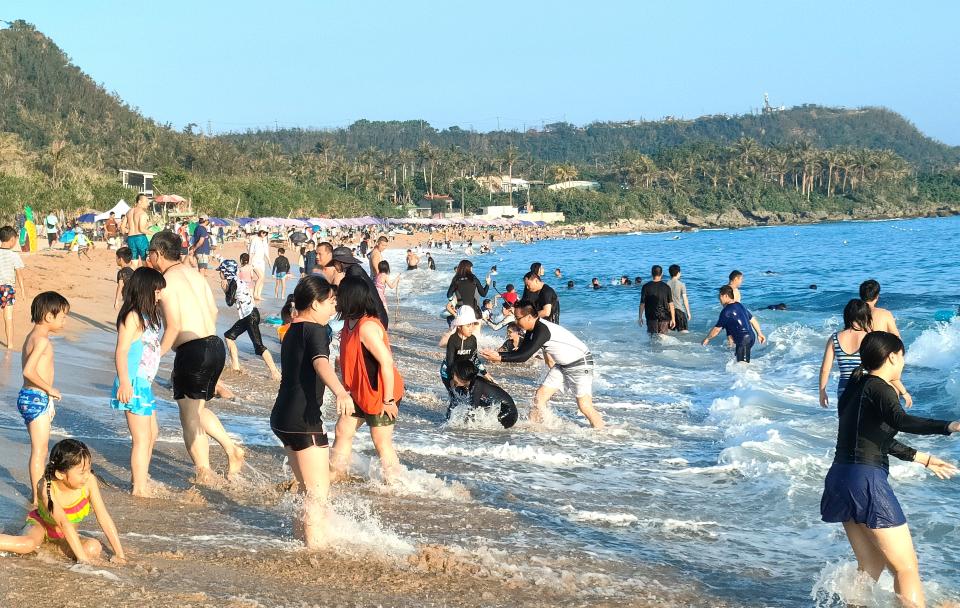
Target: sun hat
<point x="465" y="316"/>
<point x="344" y="256"/>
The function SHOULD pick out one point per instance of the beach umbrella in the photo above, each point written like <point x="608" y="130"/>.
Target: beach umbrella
<point x="243" y="221"/>
<point x="87" y="218"/>
<point x="169" y="198"/>
<point x="216" y="221"/>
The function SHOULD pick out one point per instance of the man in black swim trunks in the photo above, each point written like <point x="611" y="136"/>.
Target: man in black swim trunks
<point x="189" y="322"/>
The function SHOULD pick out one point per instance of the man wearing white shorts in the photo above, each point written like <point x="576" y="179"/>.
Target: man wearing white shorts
<point x="571" y="363"/>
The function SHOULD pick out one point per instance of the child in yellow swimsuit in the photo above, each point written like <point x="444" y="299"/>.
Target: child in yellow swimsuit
<point x="66" y="494"/>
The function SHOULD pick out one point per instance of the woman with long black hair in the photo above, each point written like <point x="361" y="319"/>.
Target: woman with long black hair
<point x="856" y="492"/>
<point x="467" y="287"/>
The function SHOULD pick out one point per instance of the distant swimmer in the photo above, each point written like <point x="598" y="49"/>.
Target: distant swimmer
<point x="813" y="286"/>
<point x="571" y="363"/>
<point x="472" y="390"/>
<point x="625" y="280"/>
<point x="557" y="273"/>
<point x="780" y="306"/>
<point x="740" y="325"/>
<point x="595" y="283"/>
<point x="569" y="284"/>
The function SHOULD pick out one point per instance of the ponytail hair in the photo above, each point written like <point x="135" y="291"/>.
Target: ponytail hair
<point x="874" y="350"/>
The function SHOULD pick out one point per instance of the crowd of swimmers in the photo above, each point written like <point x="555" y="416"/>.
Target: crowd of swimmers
<point x="164" y="304"/>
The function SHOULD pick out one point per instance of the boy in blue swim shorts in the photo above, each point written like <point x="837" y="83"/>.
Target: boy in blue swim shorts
<point x="48" y="312"/>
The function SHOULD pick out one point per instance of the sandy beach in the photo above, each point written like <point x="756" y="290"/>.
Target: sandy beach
<point x="231" y="544"/>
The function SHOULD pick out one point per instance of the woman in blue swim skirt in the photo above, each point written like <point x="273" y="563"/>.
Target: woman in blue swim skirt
<point x="856" y="492"/>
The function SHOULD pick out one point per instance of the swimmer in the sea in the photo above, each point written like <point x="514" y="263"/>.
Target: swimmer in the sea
<point x="595" y="283"/>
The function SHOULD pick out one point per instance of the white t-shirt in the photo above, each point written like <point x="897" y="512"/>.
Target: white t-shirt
<point x="10" y="262"/>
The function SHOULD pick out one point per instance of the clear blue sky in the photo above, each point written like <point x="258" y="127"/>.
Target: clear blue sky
<point x="244" y="64"/>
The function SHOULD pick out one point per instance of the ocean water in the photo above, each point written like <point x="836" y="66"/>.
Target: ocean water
<point x="708" y="469"/>
<point x="712" y="468"/>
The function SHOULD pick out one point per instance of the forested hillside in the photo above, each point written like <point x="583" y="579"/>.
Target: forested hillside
<point x="63" y="137"/>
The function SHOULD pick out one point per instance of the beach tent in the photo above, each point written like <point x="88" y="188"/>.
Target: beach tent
<point x="216" y="221"/>
<point x="120" y="209"/>
<point x="87" y="218"/>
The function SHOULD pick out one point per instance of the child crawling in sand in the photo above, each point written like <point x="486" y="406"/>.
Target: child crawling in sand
<point x="67" y="492"/>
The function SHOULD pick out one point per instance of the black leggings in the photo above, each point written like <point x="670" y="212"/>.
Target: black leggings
<point x="251" y="325"/>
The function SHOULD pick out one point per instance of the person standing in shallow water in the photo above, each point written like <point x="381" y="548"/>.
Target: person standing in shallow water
<point x="681" y="305"/>
<point x="296" y="416"/>
<point x="856" y="492"/>
<point x="656" y="303"/>
<point x="189" y="321"/>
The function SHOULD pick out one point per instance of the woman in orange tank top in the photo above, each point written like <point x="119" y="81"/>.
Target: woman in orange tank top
<point x="369" y="373"/>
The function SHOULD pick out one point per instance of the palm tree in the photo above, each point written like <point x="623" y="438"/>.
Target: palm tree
<point x="510" y="156"/>
<point x="428" y="159"/>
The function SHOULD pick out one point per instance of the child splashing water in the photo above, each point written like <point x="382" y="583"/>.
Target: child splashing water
<point x="137" y="359"/>
<point x="68" y="491"/>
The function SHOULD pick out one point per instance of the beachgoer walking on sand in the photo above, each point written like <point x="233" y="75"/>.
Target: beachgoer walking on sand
<point x="856" y="492"/>
<point x="68" y="491"/>
<point x="137" y="225"/>
<point x="656" y="304"/>
<point x="201" y="244"/>
<point x="281" y="267"/>
<point x="48" y="312"/>
<point x="369" y="373"/>
<point x="742" y="329"/>
<point x="296" y="416"/>
<point x="239" y="292"/>
<point x="681" y="305"/>
<point x="260" y="259"/>
<point x="11" y="280"/>
<point x="137" y="359"/>
<point x="189" y="321"/>
<point x="570" y="361"/>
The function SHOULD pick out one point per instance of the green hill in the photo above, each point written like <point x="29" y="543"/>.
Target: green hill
<point x="63" y="136"/>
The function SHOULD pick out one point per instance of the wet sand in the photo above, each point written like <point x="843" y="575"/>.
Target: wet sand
<point x="231" y="543"/>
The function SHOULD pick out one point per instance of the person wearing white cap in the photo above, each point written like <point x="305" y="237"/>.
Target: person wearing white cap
<point x="462" y="345"/>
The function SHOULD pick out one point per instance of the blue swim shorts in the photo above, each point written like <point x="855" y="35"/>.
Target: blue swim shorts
<point x="280" y="275"/>
<point x="32" y="403"/>
<point x="138" y="245"/>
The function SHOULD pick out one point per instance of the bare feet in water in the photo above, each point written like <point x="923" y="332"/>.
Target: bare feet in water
<point x="236" y="461"/>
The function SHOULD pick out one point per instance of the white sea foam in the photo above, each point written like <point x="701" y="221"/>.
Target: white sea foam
<point x="937" y="347"/>
<point x="611" y="517"/>
<point x="414" y="482"/>
<point x="505" y="452"/>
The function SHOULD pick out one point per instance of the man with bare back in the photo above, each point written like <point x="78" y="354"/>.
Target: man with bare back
<point x="189" y="321"/>
<point x="137" y="223"/>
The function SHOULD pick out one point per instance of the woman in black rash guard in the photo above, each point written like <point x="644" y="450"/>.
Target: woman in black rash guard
<point x="295" y="419"/>
<point x="468" y="287"/>
<point x="856" y="492"/>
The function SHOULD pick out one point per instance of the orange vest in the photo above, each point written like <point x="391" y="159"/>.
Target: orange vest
<point x="354" y="368"/>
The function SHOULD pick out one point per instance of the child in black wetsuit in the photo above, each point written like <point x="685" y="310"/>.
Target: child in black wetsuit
<point x="470" y="389"/>
<point x="462" y="345"/>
